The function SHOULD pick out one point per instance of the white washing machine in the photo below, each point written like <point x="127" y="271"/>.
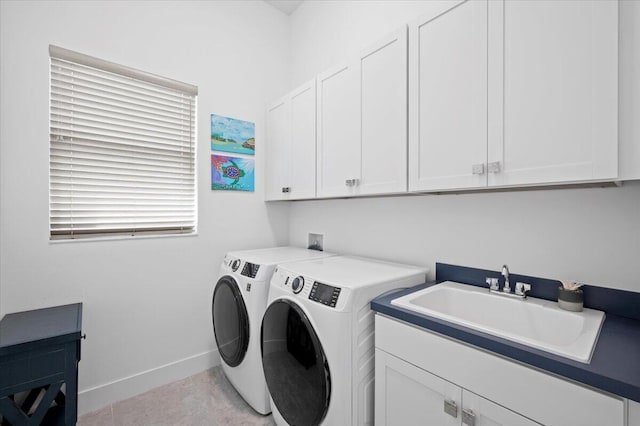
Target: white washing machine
<point x="239" y="301"/>
<point x="317" y="337"/>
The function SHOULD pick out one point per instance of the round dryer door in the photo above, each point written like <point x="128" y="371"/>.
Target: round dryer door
<point x="295" y="366"/>
<point x="230" y="321"/>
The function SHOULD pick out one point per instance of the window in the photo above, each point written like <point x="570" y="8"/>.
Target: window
<point x="122" y="150"/>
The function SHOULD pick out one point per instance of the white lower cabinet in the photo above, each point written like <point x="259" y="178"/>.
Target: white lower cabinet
<point x="634" y="413"/>
<point x="480" y="411"/>
<point x="423" y="378"/>
<point x="408" y="395"/>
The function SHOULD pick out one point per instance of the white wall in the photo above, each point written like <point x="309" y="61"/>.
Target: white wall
<point x="589" y="235"/>
<point x="146" y="301"/>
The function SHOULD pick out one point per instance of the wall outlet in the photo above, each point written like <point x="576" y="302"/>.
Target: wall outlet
<point x="316" y="241"/>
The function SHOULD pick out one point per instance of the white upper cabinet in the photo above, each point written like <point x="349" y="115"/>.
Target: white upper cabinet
<point x="383" y="106"/>
<point x="448" y="97"/>
<point x="338" y="154"/>
<point x="277" y="149"/>
<point x="477" y="94"/>
<point x="362" y="122"/>
<point x="553" y="91"/>
<point x="291" y="145"/>
<point x="302" y="166"/>
<point x="513" y="93"/>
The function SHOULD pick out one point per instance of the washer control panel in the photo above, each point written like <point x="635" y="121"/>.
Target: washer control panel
<point x="325" y="294"/>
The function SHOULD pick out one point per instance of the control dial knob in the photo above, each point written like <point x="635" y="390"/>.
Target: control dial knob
<point x="297" y="284"/>
<point x="235" y="265"/>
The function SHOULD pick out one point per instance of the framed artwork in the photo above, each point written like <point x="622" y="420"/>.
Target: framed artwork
<point x="231" y="135"/>
<point x="232" y="173"/>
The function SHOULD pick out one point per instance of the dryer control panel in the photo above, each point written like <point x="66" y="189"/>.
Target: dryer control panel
<point x="250" y="270"/>
<point x="232" y="263"/>
<point x="325" y="294"/>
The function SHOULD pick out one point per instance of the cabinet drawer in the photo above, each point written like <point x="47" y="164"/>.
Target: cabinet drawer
<point x="539" y="396"/>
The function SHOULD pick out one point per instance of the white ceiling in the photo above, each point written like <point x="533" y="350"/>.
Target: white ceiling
<point x="286" y="6"/>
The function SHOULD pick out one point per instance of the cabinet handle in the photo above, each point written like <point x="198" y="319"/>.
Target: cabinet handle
<point x="286" y="189"/>
<point x="352" y="182"/>
<point x="468" y="417"/>
<point x="477" y="169"/>
<point x="451" y="408"/>
<point x="494" y="167"/>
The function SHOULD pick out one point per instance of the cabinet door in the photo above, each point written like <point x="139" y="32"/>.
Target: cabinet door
<point x="383" y="106"/>
<point x="407" y="395"/>
<point x="277" y="149"/>
<point x="552" y="91"/>
<point x="478" y="411"/>
<point x="634" y="413"/>
<point x="302" y="161"/>
<point x="338" y="156"/>
<point x="448" y="97"/>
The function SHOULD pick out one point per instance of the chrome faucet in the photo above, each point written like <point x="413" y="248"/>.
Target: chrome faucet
<point x="521" y="289"/>
<point x="505" y="274"/>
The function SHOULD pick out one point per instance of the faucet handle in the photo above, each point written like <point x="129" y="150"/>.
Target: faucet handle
<point x="493" y="283"/>
<point x="522" y="289"/>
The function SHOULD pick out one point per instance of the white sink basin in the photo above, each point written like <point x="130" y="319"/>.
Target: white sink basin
<point x="533" y="322"/>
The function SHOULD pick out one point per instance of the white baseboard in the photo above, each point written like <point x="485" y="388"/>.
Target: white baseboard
<point x="100" y="396"/>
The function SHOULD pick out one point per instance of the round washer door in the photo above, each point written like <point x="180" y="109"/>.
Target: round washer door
<point x="295" y="366"/>
<point x="230" y="321"/>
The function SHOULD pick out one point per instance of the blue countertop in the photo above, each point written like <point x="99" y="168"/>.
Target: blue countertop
<point x="614" y="367"/>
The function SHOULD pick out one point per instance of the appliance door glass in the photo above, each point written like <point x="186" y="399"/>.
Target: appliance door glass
<point x="295" y="366"/>
<point x="230" y="321"/>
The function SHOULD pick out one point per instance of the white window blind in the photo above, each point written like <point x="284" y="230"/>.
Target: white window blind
<point x="122" y="150"/>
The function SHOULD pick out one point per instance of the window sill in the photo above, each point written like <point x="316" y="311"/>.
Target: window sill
<point x="120" y="238"/>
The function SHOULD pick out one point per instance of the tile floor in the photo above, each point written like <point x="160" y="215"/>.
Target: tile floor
<point x="204" y="399"/>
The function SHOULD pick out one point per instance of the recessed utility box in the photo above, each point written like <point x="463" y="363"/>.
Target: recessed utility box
<point x="316" y="242"/>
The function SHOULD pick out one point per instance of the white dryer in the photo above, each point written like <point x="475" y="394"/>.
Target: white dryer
<point x="238" y="303"/>
<point x="317" y="337"/>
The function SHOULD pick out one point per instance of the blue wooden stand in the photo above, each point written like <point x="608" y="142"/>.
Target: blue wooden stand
<point x="39" y="353"/>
